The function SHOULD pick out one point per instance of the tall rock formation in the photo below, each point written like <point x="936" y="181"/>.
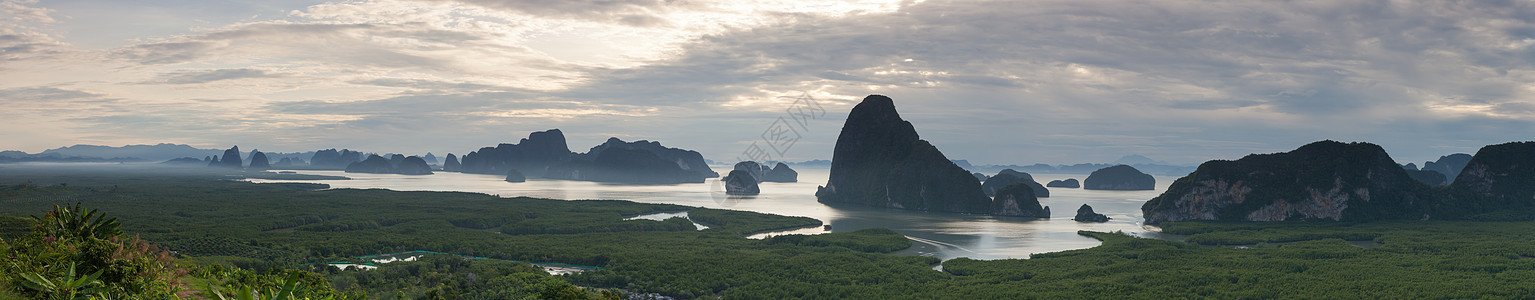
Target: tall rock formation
<point x="757" y="170"/>
<point x="880" y="161"/>
<point x="1322" y="180"/>
<point x="1122" y="178"/>
<point x="452" y="165"/>
<point x="259" y="161"/>
<point x="778" y="173"/>
<point x="741" y="182"/>
<point x="231" y="159"/>
<point x="532" y="156"/>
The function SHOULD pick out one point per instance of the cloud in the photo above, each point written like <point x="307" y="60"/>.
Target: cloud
<point x="43" y="93"/>
<point x="1300" y="71"/>
<point x="206" y="76"/>
<point x="991" y="81"/>
<point x="166" y="52"/>
<point x="628" y="12"/>
<point x="430" y="85"/>
<point x="21" y="33"/>
<point x="20" y="11"/>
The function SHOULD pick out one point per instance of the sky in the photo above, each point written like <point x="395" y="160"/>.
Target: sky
<point x="993" y="82"/>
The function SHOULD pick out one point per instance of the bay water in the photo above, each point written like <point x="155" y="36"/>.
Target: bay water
<point x="938" y="234"/>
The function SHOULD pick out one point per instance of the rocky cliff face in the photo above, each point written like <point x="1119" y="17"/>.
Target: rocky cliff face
<point x="625" y="165"/>
<point x="687" y="160"/>
<point x="396" y="159"/>
<point x="1449" y="165"/>
<point x="755" y="169"/>
<point x="332" y="158"/>
<point x="880" y="161"/>
<point x="778" y="173"/>
<point x="1010" y="177"/>
<point x="231" y="159"/>
<point x="741" y="182"/>
<point x="545" y="155"/>
<point x="1323" y="180"/>
<point x="374" y="164"/>
<point x="781" y="173"/>
<point x="1120" y="177"/>
<point x="532" y="156"/>
<point x="452" y="164"/>
<point x="1018" y="200"/>
<point x="1499" y="176"/>
<point x="413" y="165"/>
<point x="259" y="161"/>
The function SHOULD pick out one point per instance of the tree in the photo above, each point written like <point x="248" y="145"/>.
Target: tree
<point x="76" y="222"/>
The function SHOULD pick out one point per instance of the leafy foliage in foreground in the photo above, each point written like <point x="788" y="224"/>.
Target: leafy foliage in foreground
<point x="76" y="252"/>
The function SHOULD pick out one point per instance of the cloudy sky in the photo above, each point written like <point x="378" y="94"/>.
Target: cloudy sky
<point x="993" y="82"/>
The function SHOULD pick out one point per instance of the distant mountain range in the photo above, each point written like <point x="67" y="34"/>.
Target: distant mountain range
<point x="130" y="153"/>
<point x="1141" y="163"/>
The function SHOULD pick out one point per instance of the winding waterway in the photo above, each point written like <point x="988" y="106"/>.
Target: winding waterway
<point x="942" y="235"/>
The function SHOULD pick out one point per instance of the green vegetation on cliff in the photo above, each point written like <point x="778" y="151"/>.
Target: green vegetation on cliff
<point x="1321" y="180"/>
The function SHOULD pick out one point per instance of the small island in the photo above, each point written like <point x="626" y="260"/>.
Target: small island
<point x="512" y="175"/>
<point x="1018" y="200"/>
<point x="1119" y="178"/>
<point x="1086" y="214"/>
<point x="1068" y="183"/>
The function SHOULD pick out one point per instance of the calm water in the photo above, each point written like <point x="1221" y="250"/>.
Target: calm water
<point x="942" y="235"/>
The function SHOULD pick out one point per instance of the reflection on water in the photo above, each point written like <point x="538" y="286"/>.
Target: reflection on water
<point x="942" y="235"/>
